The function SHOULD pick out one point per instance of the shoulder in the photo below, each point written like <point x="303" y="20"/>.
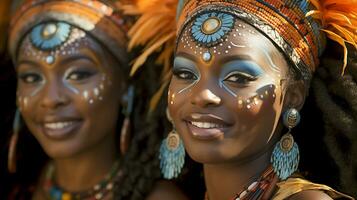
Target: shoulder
<point x="310" y="195"/>
<point x="166" y="190"/>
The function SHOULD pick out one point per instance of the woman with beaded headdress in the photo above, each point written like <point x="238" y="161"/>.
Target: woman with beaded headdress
<point x="72" y="80"/>
<point x="240" y="76"/>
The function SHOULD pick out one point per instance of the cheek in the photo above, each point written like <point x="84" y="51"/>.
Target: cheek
<point x="178" y="95"/>
<point x="26" y="95"/>
<point x="93" y="93"/>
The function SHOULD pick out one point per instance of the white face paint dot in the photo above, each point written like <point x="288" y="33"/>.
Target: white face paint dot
<point x="50" y="59"/>
<point x="96" y="91"/>
<point x="206" y="56"/>
<point x="91" y="101"/>
<point x="249" y="106"/>
<point x="85" y="94"/>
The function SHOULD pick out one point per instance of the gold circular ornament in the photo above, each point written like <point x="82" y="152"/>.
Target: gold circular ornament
<point x="49" y="30"/>
<point x="286" y="142"/>
<point x="172" y="140"/>
<point x="211" y="25"/>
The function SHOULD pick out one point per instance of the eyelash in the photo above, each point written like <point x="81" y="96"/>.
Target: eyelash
<point x="240" y="78"/>
<point x="184" y="74"/>
<point x="31" y="78"/>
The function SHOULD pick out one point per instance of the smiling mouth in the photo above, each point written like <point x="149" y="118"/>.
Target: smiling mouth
<point x="60" y="130"/>
<point x="206" y="126"/>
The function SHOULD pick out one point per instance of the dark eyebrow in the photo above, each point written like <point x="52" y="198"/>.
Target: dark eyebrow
<point x="236" y="57"/>
<point x="29" y="62"/>
<point x="78" y="57"/>
<point x="187" y="55"/>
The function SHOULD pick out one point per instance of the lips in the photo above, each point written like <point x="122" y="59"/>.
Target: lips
<point x="206" y="126"/>
<point x="61" y="128"/>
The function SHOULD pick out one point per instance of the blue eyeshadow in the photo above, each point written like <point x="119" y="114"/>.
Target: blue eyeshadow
<point x="181" y="62"/>
<point x="244" y="66"/>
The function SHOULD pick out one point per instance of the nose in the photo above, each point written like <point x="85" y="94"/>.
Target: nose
<point x="205" y="98"/>
<point x="53" y="95"/>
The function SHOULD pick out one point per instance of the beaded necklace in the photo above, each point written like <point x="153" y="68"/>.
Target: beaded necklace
<point x="261" y="189"/>
<point x="97" y="192"/>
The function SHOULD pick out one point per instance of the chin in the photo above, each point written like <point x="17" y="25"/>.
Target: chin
<point x="208" y="153"/>
<point x="61" y="150"/>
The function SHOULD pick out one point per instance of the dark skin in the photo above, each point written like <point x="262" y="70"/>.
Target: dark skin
<point x="54" y="94"/>
<point x="227" y="110"/>
<point x="71" y="107"/>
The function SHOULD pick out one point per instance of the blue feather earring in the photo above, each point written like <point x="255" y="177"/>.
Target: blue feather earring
<point x="285" y="157"/>
<point x="172" y="154"/>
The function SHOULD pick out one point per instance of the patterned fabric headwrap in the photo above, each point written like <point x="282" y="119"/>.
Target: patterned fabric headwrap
<point x="297" y="27"/>
<point x="101" y="20"/>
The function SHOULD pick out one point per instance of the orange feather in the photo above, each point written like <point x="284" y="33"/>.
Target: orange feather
<point x="155" y="31"/>
<point x="339" y="21"/>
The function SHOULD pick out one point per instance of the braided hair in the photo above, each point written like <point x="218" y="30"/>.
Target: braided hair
<point x="336" y="97"/>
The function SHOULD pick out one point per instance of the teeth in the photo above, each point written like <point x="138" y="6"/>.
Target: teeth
<point x="206" y="125"/>
<point x="58" y="125"/>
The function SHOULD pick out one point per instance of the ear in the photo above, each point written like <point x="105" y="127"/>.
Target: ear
<point x="295" y="94"/>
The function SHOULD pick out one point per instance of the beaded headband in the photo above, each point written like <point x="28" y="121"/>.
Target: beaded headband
<point x="49" y="23"/>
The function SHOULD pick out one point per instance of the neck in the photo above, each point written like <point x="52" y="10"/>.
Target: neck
<point x="86" y="169"/>
<point x="223" y="181"/>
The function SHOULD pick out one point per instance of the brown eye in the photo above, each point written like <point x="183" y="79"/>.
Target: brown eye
<point x="240" y="78"/>
<point x="79" y="75"/>
<point x="184" y="74"/>
<point x="30" y="78"/>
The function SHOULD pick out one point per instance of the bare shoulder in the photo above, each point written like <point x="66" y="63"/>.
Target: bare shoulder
<point x="164" y="190"/>
<point x="310" y="195"/>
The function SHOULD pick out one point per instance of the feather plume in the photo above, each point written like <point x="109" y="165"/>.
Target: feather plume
<point x="155" y="27"/>
<point x="339" y="21"/>
<point x="155" y="31"/>
<point x="4" y="22"/>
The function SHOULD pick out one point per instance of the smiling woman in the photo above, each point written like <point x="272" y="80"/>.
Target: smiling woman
<point x="240" y="77"/>
<point x="72" y="83"/>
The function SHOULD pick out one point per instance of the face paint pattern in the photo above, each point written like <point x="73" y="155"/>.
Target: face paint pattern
<point x="76" y="39"/>
<point x="223" y="46"/>
<point x="262" y="94"/>
<point x="95" y="94"/>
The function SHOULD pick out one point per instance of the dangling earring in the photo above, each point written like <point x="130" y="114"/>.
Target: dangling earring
<point x="125" y="135"/>
<point x="11" y="159"/>
<point x="285" y="157"/>
<point x="172" y="153"/>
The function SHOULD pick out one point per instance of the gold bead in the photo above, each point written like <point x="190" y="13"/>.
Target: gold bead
<point x="211" y="25"/>
<point x="66" y="196"/>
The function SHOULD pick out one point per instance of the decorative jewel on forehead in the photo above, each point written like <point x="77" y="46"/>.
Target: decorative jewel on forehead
<point x="209" y="28"/>
<point x="48" y="36"/>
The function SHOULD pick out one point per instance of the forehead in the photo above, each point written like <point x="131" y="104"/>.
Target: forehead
<point x="224" y="36"/>
<point x="48" y="44"/>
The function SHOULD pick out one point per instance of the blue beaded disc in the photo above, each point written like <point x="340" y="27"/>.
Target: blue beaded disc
<point x="50" y="35"/>
<point x="209" y="28"/>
